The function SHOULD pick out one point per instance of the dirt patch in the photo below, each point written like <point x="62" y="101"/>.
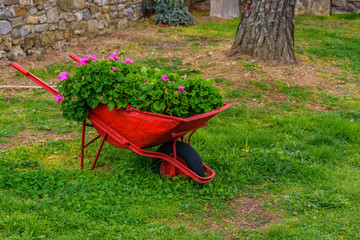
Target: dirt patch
<point x="163" y="44"/>
<point x="247" y="214"/>
<point x="251" y="214"/>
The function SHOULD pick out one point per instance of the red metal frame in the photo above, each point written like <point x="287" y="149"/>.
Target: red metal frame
<point x="108" y="133"/>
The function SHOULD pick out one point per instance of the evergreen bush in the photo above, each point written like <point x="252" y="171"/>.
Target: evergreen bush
<point x="170" y="12"/>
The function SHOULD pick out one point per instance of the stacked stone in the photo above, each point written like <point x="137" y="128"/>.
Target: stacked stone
<point x="30" y="27"/>
<point x="313" y="7"/>
<point x="345" y="6"/>
<point x="326" y="7"/>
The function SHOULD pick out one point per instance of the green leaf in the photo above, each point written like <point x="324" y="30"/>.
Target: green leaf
<point x="121" y="103"/>
<point x="99" y="89"/>
<point x="158" y="106"/>
<point x="104" y="100"/>
<point x="93" y="103"/>
<point x="111" y="105"/>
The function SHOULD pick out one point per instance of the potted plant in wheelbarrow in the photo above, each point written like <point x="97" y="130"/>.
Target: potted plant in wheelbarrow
<point x="138" y="107"/>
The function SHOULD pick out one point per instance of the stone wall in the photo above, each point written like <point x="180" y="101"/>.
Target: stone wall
<point x="30" y="27"/>
<point x="313" y="7"/>
<point x="345" y="6"/>
<point x="326" y="7"/>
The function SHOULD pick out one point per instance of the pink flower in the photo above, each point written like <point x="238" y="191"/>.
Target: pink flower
<point x="81" y="62"/>
<point x="114" y="68"/>
<point x="165" y="78"/>
<point x="128" y="61"/>
<point x="173" y="81"/>
<point x="181" y="88"/>
<point x="63" y="76"/>
<point x="113" y="56"/>
<point x="84" y="60"/>
<point x="144" y="80"/>
<point x="59" y="97"/>
<point x="93" y="57"/>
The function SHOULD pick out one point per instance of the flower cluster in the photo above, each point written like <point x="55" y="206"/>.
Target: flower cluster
<point x="59" y="97"/>
<point x="63" y="76"/>
<point x="113" y="56"/>
<point x="165" y="78"/>
<point x="122" y="83"/>
<point x="181" y="88"/>
<point x="86" y="59"/>
<point x="128" y="61"/>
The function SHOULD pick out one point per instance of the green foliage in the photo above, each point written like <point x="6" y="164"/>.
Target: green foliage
<point x="249" y="65"/>
<point x="142" y="87"/>
<point x="170" y="12"/>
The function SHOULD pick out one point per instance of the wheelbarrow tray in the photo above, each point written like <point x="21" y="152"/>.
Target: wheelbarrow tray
<point x="146" y="129"/>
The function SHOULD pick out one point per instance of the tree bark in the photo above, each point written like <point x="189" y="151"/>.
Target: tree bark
<point x="266" y="30"/>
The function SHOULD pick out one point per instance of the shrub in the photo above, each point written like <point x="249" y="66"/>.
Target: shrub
<point x="170" y="12"/>
<point x="119" y="84"/>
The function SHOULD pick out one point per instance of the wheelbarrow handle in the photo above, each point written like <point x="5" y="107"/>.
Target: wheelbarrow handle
<point x="35" y="79"/>
<point x="73" y="56"/>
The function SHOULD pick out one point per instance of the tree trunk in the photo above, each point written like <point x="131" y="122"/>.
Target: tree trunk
<point x="266" y="30"/>
<point x="224" y="8"/>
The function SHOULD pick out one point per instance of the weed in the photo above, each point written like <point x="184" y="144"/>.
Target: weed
<point x="249" y="65"/>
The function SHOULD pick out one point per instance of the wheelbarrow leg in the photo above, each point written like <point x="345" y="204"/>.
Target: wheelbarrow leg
<point x="98" y="152"/>
<point x="83" y="145"/>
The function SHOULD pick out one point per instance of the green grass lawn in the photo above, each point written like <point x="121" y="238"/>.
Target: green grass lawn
<point x="302" y="164"/>
<point x="334" y="39"/>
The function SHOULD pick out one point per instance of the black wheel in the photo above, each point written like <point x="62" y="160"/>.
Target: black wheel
<point x="185" y="153"/>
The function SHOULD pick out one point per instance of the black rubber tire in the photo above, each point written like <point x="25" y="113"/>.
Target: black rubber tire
<point x="185" y="152"/>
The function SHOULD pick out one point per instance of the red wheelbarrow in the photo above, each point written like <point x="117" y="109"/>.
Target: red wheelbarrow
<point x="137" y="130"/>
